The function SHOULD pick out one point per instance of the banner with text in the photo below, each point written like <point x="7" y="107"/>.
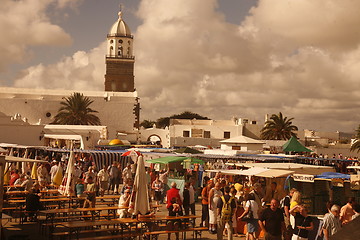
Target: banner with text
<point x="303" y="177"/>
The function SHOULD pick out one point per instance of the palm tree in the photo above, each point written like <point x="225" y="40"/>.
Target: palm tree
<point x="278" y="128"/>
<point x="356" y="144"/>
<point x="75" y="110"/>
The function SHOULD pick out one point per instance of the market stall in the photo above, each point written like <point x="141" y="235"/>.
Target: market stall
<point x="181" y="169"/>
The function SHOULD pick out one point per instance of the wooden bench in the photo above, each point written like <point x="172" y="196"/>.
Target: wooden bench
<point x="115" y="236"/>
<point x="112" y="233"/>
<point x="197" y="232"/>
<point x="62" y="235"/>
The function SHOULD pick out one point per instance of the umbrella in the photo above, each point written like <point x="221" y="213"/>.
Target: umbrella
<point x="67" y="183"/>
<point x="131" y="152"/>
<point x="140" y="196"/>
<point x="58" y="176"/>
<point x="23" y="164"/>
<point x="7" y="174"/>
<point x="34" y="171"/>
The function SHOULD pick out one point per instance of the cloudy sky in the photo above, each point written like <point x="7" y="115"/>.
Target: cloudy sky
<point x="219" y="58"/>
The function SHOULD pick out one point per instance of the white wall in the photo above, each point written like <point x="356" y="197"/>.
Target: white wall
<point x="21" y="134"/>
<point x="216" y="131"/>
<point x="115" y="112"/>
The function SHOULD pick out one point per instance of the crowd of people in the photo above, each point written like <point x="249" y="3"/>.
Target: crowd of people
<point x="225" y="202"/>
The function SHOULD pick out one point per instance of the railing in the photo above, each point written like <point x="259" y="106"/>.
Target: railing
<point x="120" y="57"/>
<point x="120" y="35"/>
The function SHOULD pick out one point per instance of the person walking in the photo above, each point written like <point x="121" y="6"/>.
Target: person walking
<point x="103" y="178"/>
<point x="347" y="211"/>
<point x="192" y="196"/>
<point x="251" y="208"/>
<point x="114" y="174"/>
<point x="332" y="222"/>
<point x="285" y="207"/>
<point x="303" y="223"/>
<point x="205" y="204"/>
<point x="295" y="200"/>
<point x="226" y="207"/>
<point x="186" y="199"/>
<point x="214" y="197"/>
<point x="158" y="188"/>
<point x="271" y="221"/>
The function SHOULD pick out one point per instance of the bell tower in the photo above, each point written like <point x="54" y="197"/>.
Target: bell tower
<point x="119" y="76"/>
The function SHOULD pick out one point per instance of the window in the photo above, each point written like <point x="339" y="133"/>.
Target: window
<point x="120" y="41"/>
<point x="226" y="134"/>
<point x="206" y="134"/>
<point x="111" y="41"/>
<point x="236" y="147"/>
<point x="186" y="133"/>
<point x="120" y="51"/>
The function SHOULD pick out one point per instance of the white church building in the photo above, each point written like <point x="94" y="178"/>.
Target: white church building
<point x="117" y="105"/>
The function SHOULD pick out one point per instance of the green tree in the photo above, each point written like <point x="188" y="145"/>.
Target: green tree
<point x="75" y="110"/>
<point x="165" y="121"/>
<point x="147" y="123"/>
<point x="278" y="128"/>
<point x="356" y="144"/>
<point x="188" y="115"/>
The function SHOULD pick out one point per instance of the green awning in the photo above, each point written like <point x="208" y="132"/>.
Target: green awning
<point x="293" y="145"/>
<point x="170" y="159"/>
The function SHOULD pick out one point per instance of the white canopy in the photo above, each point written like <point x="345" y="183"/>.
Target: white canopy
<point x="242" y="139"/>
<point x="256" y="171"/>
<point x="295" y="167"/>
<point x="19" y="159"/>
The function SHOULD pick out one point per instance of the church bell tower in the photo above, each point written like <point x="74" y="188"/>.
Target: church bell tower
<point x="119" y="76"/>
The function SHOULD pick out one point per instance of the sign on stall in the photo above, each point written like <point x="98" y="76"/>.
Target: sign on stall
<point x="303" y="177"/>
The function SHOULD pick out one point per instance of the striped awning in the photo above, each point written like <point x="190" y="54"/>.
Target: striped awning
<point x="102" y="158"/>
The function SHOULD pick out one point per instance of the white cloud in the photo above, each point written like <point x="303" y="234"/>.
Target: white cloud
<point x="82" y="71"/>
<point x="298" y="57"/>
<point x="25" y="23"/>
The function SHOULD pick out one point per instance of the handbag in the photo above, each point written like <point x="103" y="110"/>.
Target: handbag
<point x="249" y="215"/>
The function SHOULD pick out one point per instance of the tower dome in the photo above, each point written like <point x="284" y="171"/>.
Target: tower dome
<point x="120" y="28"/>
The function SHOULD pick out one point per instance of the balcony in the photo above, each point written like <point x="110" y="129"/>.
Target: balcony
<point x="120" y="57"/>
<point x="120" y="35"/>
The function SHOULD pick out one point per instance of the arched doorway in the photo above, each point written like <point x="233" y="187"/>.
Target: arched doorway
<point x="154" y="139"/>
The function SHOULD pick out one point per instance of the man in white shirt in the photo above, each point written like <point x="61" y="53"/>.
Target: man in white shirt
<point x="124" y="201"/>
<point x="103" y="177"/>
